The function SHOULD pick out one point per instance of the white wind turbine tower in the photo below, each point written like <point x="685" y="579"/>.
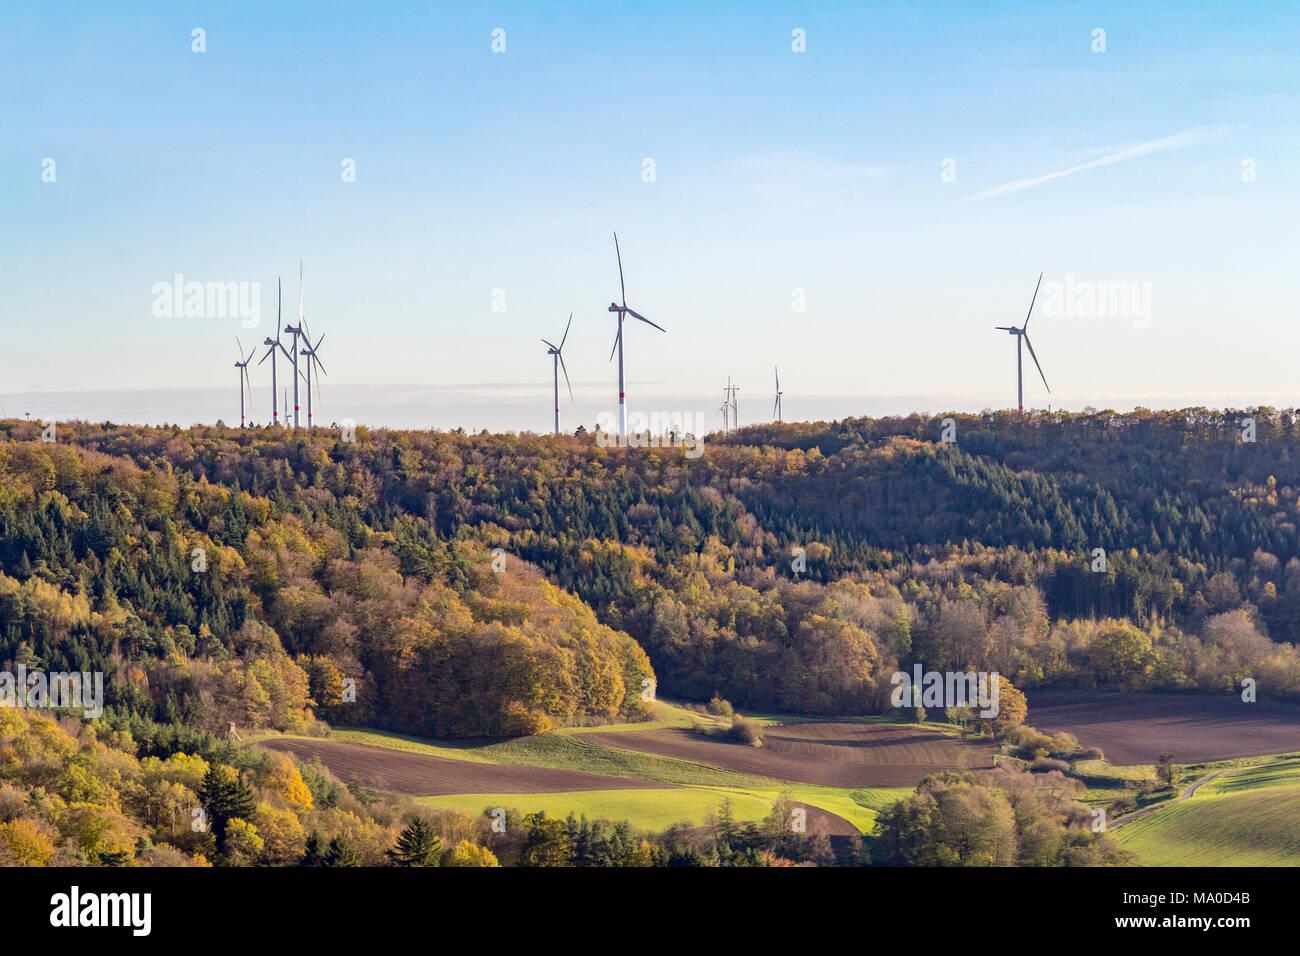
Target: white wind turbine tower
<point x="273" y="344"/>
<point x="313" y="358"/>
<point x="735" y="409"/>
<point x="623" y="312"/>
<point x="776" y="406"/>
<point x="557" y="363"/>
<point x="296" y="330"/>
<point x="1022" y="338"/>
<point x="243" y="379"/>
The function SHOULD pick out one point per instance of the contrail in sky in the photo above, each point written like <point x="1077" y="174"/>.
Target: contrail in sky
<point x="1188" y="137"/>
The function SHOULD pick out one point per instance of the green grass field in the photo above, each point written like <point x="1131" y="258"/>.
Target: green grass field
<point x="859" y="807"/>
<point x="1254" y="828"/>
<point x="1108" y="782"/>
<point x="657" y="809"/>
<point x="1248" y="816"/>
<point x="672" y="714"/>
<point x="1285" y="772"/>
<point x="1132" y="773"/>
<point x="666" y="714"/>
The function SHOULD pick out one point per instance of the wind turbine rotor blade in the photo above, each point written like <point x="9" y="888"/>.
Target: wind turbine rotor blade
<point x="622" y="288"/>
<point x="638" y="315"/>
<point x="618" y="338"/>
<point x="566" y="375"/>
<point x="545" y="342"/>
<point x="1006" y="328"/>
<point x="269" y="353"/>
<point x="278" y="302"/>
<point x="319" y="364"/>
<point x="250" y="356"/>
<point x="1036" y="365"/>
<point x="566" y="331"/>
<point x="1032" y="301"/>
<point x="318" y="342"/>
<point x="240" y="345"/>
<point x="775" y="403"/>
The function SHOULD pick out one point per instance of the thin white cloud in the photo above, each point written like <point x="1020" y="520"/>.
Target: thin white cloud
<point x="1188" y="137"/>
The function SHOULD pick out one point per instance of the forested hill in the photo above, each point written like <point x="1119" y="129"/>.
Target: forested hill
<point x="330" y="558"/>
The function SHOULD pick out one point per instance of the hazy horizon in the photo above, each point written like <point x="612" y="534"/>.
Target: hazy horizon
<point x="519" y="407"/>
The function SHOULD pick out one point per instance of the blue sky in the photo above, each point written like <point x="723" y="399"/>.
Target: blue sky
<point x="775" y="171"/>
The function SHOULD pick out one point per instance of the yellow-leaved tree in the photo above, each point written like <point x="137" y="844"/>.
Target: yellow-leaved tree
<point x="465" y="853"/>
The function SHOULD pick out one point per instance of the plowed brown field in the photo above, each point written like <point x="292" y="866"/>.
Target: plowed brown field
<point x="827" y="754"/>
<point x="1138" y="728"/>
<point x="427" y="775"/>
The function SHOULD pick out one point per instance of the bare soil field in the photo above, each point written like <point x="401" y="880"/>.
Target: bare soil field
<point x="834" y="826"/>
<point x="426" y="775"/>
<point x="827" y="754"/>
<point x="1138" y="728"/>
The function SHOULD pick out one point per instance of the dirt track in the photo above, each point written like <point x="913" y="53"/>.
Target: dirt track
<point x="427" y="775"/>
<point x="1187" y="794"/>
<point x="1138" y="728"/>
<point x="827" y="754"/>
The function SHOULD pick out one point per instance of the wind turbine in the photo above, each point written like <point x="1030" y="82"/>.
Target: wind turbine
<point x="776" y="406"/>
<point x="296" y="330"/>
<point x="623" y="311"/>
<point x="735" y="410"/>
<point x="1022" y="337"/>
<point x="724" y="408"/>
<point x="243" y="379"/>
<point x="312" y="359"/>
<point x="557" y="363"/>
<point x="272" y="344"/>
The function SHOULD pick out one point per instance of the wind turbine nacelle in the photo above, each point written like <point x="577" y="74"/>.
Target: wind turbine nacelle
<point x="615" y="307"/>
